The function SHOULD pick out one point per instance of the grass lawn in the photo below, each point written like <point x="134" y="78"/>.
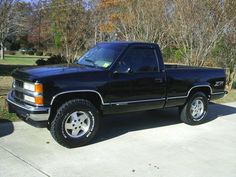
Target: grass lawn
<point x="12" y="62"/>
<point x="5" y="86"/>
<point x="4" y="115"/>
<point x="230" y="97"/>
<point x="20" y="59"/>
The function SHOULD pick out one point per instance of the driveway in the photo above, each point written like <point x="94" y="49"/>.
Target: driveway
<point x="145" y="144"/>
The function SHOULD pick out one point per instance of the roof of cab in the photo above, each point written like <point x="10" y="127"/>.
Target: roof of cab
<point x="127" y="42"/>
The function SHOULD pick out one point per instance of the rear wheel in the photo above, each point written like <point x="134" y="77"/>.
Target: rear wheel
<point x="194" y="112"/>
<point x="75" y="124"/>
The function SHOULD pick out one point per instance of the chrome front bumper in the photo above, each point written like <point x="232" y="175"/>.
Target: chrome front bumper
<point x="27" y="112"/>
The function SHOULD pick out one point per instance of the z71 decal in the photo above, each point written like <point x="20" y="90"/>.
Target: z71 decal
<point x="219" y="83"/>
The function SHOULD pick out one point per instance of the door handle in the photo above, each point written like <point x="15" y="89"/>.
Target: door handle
<point x="158" y="80"/>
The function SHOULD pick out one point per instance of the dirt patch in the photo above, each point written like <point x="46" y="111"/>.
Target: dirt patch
<point x="5" y="85"/>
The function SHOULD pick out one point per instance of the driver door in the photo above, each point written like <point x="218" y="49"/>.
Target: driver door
<point x="137" y="83"/>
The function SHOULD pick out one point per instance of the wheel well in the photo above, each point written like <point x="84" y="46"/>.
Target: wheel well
<point x="205" y="90"/>
<point x="94" y="98"/>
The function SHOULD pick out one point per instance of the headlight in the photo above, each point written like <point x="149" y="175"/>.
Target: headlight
<point x="29" y="86"/>
<point x="37" y="96"/>
<point x="33" y="87"/>
<point x="38" y="100"/>
<point x="29" y="98"/>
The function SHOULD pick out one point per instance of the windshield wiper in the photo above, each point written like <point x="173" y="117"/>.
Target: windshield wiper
<point x="90" y="61"/>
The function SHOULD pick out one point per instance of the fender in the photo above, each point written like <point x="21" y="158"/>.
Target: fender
<point x="189" y="91"/>
<point x="78" y="91"/>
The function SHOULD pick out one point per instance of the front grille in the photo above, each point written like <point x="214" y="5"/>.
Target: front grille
<point x="19" y="83"/>
<point x="23" y="94"/>
<point x="18" y="90"/>
<point x="19" y="95"/>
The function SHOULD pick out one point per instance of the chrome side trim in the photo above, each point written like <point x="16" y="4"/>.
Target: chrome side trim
<point x="176" y="97"/>
<point x="138" y="101"/>
<point x="186" y="96"/>
<point x="94" y="91"/>
<point x="218" y="93"/>
<point x="77" y="91"/>
<point x="181" y="97"/>
<point x="199" y="86"/>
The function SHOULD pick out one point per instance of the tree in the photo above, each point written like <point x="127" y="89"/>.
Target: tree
<point x="70" y="26"/>
<point x="40" y="24"/>
<point x="197" y="26"/>
<point x="136" y="20"/>
<point x="225" y="55"/>
<point x="11" y="18"/>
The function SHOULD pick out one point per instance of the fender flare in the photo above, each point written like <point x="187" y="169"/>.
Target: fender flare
<point x="77" y="91"/>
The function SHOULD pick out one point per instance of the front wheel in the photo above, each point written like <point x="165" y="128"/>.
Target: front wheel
<point x="75" y="124"/>
<point x="194" y="112"/>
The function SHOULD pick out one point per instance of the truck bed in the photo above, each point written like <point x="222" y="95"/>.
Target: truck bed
<point x="176" y="66"/>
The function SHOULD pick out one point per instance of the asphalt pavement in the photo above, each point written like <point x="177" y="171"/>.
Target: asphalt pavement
<point x="143" y="144"/>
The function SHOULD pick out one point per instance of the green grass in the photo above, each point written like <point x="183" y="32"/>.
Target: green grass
<point x="234" y="84"/>
<point x="5" y="86"/>
<point x="230" y="97"/>
<point x="20" y="60"/>
<point x="4" y="115"/>
<point x="12" y="62"/>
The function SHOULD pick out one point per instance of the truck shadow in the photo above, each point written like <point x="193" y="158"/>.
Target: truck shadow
<point x="218" y="110"/>
<point x="117" y="125"/>
<point x="6" y="127"/>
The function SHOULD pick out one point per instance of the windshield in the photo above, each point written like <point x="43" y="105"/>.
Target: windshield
<point x="102" y="55"/>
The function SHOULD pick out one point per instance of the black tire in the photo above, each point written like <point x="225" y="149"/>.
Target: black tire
<point x="188" y="116"/>
<point x="63" y="135"/>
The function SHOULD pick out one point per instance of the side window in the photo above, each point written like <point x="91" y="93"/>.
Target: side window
<point x="140" y="59"/>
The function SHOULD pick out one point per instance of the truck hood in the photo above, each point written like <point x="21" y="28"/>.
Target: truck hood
<point x="35" y="73"/>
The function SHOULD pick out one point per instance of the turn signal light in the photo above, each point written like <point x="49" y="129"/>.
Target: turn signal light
<point x="39" y="88"/>
<point x="38" y="100"/>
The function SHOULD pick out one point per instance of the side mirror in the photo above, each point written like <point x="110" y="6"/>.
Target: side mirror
<point x="122" y="68"/>
<point x="123" y="71"/>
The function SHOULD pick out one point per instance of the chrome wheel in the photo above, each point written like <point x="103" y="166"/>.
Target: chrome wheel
<point x="77" y="124"/>
<point x="197" y="109"/>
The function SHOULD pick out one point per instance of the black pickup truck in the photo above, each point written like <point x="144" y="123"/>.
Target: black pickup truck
<point x="110" y="78"/>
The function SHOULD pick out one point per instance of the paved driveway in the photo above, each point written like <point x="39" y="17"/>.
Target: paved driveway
<point x="146" y="144"/>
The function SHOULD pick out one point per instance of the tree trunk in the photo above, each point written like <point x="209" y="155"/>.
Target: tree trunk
<point x="2" y="50"/>
<point x="95" y="35"/>
<point x="231" y="78"/>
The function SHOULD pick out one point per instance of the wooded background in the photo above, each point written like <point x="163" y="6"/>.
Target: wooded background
<point x="191" y="32"/>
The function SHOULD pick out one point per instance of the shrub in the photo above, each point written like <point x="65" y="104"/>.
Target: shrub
<point x="10" y="52"/>
<point x="55" y="59"/>
<point x="30" y="53"/>
<point x="48" y="54"/>
<point x="40" y="62"/>
<point x="39" y="53"/>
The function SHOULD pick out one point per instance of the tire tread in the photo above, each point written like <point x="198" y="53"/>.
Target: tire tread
<point x="54" y="124"/>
